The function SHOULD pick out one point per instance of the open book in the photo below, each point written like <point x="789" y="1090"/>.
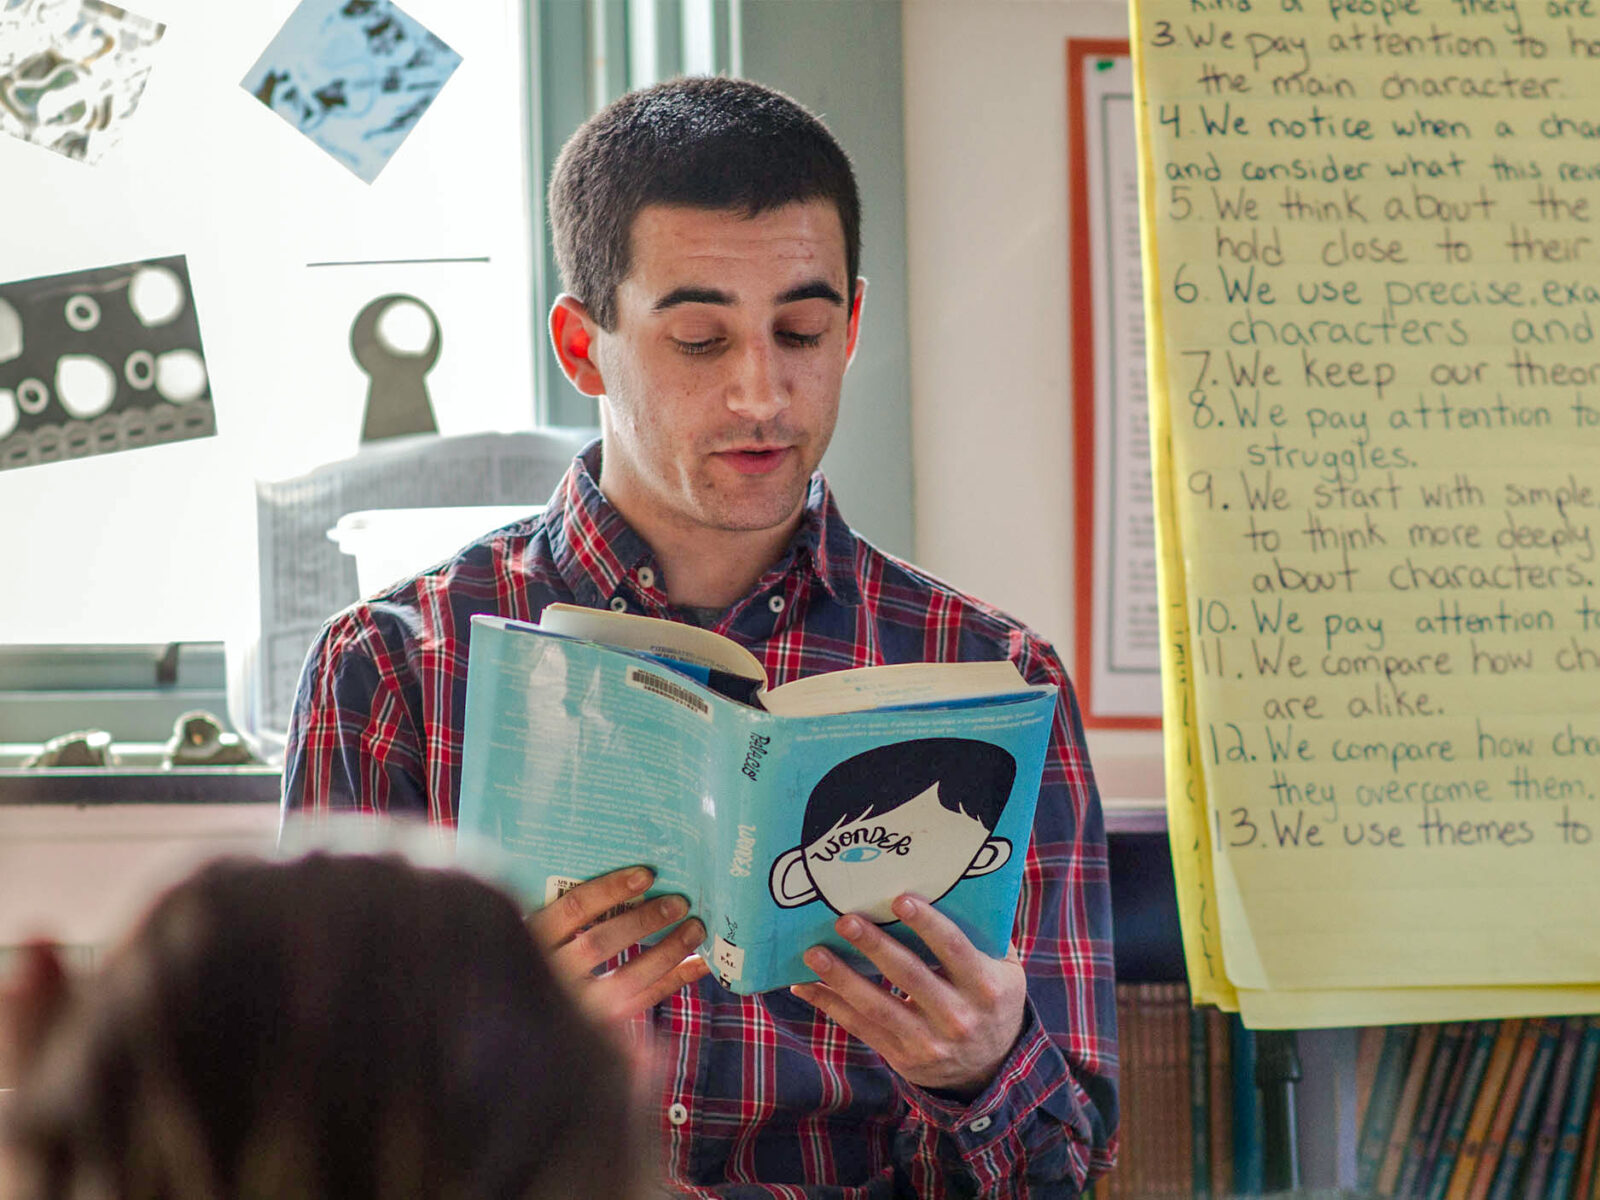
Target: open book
<point x="596" y="740"/>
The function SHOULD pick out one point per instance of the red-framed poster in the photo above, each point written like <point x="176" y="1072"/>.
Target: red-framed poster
<point x="1118" y="650"/>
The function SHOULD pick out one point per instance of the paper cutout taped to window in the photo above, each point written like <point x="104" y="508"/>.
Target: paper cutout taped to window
<point x="72" y="72"/>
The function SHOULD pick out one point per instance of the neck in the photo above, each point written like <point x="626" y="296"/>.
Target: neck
<point x="712" y="568"/>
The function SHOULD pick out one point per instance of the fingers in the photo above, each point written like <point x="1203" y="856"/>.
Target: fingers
<point x="647" y="979"/>
<point x="583" y="905"/>
<point x="861" y="1005"/>
<point x="604" y="940"/>
<point x="964" y="963"/>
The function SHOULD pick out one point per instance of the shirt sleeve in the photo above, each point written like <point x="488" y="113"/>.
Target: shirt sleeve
<point x="1046" y="1125"/>
<point x="353" y="744"/>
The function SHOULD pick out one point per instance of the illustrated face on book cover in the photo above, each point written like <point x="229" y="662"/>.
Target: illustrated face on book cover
<point x="914" y="816"/>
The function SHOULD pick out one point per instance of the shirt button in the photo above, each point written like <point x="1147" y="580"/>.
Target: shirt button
<point x="775" y="603"/>
<point x="647" y="577"/>
<point x="980" y="1124"/>
<point x="677" y="1114"/>
<point x="618" y="604"/>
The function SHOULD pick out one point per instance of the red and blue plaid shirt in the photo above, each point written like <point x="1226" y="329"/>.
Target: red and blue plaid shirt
<point x="763" y="1095"/>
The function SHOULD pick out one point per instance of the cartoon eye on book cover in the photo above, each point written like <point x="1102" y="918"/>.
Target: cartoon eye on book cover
<point x="72" y="72"/>
<point x="914" y="816"/>
<point x="354" y="76"/>
<point x="97" y="361"/>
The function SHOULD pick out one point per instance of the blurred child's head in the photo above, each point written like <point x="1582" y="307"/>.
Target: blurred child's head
<point x="332" y="1027"/>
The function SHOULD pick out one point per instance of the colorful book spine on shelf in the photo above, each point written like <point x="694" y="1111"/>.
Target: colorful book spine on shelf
<point x="1247" y="1165"/>
<point x="1570" y="1138"/>
<point x="1513" y="1052"/>
<point x="1542" y="1147"/>
<point x="1513" y="1152"/>
<point x="1378" y="1118"/>
<point x="1369" y="1047"/>
<point x="1452" y="1131"/>
<point x="1405" y="1113"/>
<point x="1588" y="1178"/>
<point x="1449" y="1058"/>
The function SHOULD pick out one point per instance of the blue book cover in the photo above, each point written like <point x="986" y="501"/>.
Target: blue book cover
<point x="833" y="794"/>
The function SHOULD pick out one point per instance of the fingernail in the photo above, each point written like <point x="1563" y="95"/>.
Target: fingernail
<point x="638" y="879"/>
<point x="673" y="907"/>
<point x="850" y="927"/>
<point x="692" y="933"/>
<point x="905" y="907"/>
<point x="818" y="959"/>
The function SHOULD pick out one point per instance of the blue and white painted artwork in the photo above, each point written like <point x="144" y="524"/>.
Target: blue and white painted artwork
<point x="72" y="72"/>
<point x="354" y="76"/>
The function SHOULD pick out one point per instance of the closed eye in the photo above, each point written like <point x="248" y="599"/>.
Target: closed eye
<point x="704" y="347"/>
<point x="805" y="340"/>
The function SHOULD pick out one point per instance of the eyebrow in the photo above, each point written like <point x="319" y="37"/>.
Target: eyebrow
<point x="816" y="289"/>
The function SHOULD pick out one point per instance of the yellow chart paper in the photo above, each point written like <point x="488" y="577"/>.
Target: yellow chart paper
<point x="1375" y="282"/>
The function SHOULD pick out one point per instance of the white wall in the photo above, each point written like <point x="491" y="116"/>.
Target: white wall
<point x="158" y="544"/>
<point x="988" y="272"/>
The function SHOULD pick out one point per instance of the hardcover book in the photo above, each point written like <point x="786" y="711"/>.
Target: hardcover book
<point x="597" y="740"/>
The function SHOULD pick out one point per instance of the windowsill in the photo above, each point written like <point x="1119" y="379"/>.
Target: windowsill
<point x="95" y="786"/>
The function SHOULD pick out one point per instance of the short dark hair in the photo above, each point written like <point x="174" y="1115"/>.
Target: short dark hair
<point x="974" y="779"/>
<point x="333" y="1028"/>
<point x="704" y="142"/>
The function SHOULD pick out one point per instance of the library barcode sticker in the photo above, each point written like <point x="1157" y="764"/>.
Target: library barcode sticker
<point x="660" y="685"/>
<point x="557" y="886"/>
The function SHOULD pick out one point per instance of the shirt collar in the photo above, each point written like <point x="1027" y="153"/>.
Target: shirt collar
<point x="594" y="549"/>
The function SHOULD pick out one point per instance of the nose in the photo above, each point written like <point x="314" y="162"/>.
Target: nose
<point x="756" y="388"/>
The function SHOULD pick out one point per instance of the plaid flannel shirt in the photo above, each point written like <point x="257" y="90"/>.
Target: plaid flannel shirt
<point x="763" y="1095"/>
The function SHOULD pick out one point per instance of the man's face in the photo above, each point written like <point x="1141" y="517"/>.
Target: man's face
<point x="722" y="376"/>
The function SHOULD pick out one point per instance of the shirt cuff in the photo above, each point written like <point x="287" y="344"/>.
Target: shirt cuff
<point x="1033" y="1075"/>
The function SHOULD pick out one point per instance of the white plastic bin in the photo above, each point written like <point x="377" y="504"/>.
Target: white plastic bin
<point x="389" y="544"/>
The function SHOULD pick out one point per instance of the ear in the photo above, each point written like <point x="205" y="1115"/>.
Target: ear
<point x="573" y="333"/>
<point x="31" y="999"/>
<point x="991" y="856"/>
<point x="789" y="882"/>
<point x="854" y="329"/>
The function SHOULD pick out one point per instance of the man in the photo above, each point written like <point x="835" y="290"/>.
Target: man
<point x="708" y="232"/>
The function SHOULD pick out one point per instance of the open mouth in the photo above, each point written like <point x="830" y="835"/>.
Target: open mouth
<point x="756" y="461"/>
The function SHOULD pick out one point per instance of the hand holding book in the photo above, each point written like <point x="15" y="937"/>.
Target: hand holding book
<point x="952" y="1029"/>
<point x="593" y="922"/>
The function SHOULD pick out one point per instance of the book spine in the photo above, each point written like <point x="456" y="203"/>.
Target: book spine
<point x="1379" y="1115"/>
<point x="1555" y="1105"/>
<point x="1506" y="1047"/>
<point x="1247" y="1165"/>
<point x="1453" y="1129"/>
<point x="1221" y="1104"/>
<point x="1369" y="1049"/>
<point x="1199" y="1105"/>
<point x="1587" y="1180"/>
<point x="1445" y="1073"/>
<point x="1564" y="1167"/>
<point x="1533" y="1039"/>
<point x="1515" y="1152"/>
<point x="1182" y="1146"/>
<point x="1132" y="1090"/>
<point x="1422" y="1056"/>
